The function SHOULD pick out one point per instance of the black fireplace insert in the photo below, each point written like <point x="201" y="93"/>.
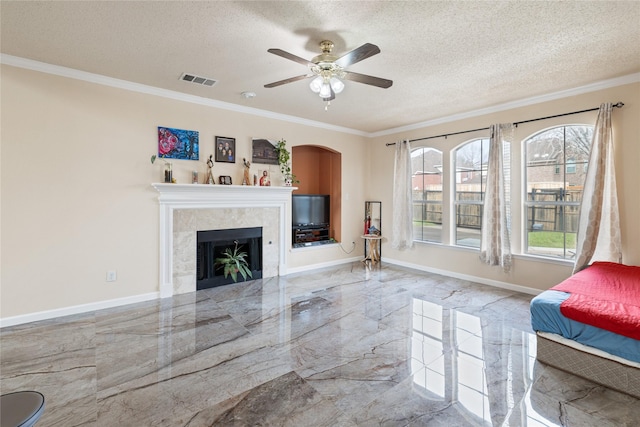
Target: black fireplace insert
<point x="212" y="244"/>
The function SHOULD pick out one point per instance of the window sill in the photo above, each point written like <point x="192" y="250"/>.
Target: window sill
<point x="556" y="261"/>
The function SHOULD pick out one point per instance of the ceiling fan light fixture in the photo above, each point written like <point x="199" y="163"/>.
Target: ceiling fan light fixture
<point x="325" y="91"/>
<point x="316" y="84"/>
<point x="336" y="84"/>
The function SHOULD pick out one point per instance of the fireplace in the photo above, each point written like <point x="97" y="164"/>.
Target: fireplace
<point x="211" y="246"/>
<point x="186" y="209"/>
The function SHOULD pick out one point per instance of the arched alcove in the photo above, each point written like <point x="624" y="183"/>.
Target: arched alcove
<point x="319" y="171"/>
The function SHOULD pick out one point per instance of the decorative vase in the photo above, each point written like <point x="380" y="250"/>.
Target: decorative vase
<point x="168" y="173"/>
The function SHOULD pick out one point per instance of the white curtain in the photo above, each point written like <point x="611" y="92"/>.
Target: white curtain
<point x="495" y="246"/>
<point x="599" y="225"/>
<point x="402" y="229"/>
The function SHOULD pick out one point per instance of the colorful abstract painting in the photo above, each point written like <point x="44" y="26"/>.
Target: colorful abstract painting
<point x="178" y="144"/>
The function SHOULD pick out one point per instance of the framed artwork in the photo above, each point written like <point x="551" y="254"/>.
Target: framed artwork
<point x="178" y="144"/>
<point x="263" y="151"/>
<point x="224" y="180"/>
<point x="265" y="181"/>
<point x="225" y="149"/>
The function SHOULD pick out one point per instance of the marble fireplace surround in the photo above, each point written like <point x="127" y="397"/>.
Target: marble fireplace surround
<point x="188" y="208"/>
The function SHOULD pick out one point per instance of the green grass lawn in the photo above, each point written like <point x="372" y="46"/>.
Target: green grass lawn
<point x="551" y="239"/>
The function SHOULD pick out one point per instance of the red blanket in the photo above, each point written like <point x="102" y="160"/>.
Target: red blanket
<point x="605" y="295"/>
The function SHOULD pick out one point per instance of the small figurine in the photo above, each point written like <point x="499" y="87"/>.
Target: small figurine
<point x="210" y="179"/>
<point x="247" y="165"/>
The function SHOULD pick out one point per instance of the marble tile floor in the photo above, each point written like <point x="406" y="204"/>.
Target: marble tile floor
<point x="343" y="346"/>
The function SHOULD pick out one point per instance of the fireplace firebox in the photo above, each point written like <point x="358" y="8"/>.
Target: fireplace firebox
<point x="212" y="244"/>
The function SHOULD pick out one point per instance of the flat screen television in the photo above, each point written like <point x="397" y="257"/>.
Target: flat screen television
<point x="310" y="210"/>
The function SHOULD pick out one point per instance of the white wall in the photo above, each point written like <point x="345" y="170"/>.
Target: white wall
<point x="526" y="271"/>
<point x="76" y="194"/>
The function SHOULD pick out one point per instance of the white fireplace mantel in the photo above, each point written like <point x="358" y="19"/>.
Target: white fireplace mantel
<point x="205" y="196"/>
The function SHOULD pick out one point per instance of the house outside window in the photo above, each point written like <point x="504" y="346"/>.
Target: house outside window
<point x="426" y="184"/>
<point x="555" y="162"/>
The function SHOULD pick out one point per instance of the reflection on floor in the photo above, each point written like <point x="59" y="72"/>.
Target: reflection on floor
<point x="344" y="346"/>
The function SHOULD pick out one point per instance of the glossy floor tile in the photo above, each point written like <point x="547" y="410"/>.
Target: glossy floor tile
<point x="344" y="346"/>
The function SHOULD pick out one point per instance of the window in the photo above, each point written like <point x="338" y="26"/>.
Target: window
<point x="426" y="184"/>
<point x="471" y="165"/>
<point x="470" y="179"/>
<point x="554" y="188"/>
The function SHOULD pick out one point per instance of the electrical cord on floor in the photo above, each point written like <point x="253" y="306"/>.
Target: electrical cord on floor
<point x="353" y="247"/>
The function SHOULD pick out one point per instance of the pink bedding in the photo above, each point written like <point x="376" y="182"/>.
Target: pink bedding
<point x="605" y="295"/>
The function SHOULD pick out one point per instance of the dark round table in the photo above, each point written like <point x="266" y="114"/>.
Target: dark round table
<point x="21" y="409"/>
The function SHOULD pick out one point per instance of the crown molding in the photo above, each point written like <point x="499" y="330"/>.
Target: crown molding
<point x="57" y="70"/>
<point x="592" y="87"/>
<point x="151" y="90"/>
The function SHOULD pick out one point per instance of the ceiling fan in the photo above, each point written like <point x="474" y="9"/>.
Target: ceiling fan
<point x="329" y="69"/>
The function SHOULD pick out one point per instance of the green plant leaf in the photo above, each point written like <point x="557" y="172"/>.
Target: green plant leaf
<point x="233" y="262"/>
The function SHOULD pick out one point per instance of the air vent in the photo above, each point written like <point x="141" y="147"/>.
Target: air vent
<point x="198" y="79"/>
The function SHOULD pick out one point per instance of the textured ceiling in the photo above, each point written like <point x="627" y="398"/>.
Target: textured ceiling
<point x="444" y="58"/>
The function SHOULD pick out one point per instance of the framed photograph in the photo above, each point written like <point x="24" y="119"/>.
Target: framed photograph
<point x="224" y="180"/>
<point x="178" y="144"/>
<point x="263" y="151"/>
<point x="225" y="149"/>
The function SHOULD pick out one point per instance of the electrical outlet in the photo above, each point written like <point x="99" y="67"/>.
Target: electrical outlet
<point x="112" y="276"/>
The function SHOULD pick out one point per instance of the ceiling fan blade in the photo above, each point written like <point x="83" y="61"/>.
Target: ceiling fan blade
<point x="368" y="80"/>
<point x="291" y="56"/>
<point x="289" y="80"/>
<point x="363" y="52"/>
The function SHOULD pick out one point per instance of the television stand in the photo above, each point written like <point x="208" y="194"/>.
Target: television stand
<point x="310" y="235"/>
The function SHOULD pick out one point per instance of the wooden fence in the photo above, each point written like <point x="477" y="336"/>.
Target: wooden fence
<point x="539" y="218"/>
<point x="553" y="218"/>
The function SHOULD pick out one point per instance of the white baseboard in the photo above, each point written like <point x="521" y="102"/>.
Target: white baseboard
<point x="76" y="309"/>
<point x="84" y="308"/>
<point x="323" y="265"/>
<point x="482" y="280"/>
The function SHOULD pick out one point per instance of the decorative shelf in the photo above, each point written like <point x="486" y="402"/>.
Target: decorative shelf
<point x="220" y="193"/>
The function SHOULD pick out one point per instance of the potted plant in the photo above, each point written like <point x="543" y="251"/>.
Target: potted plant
<point x="284" y="156"/>
<point x="234" y="262"/>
